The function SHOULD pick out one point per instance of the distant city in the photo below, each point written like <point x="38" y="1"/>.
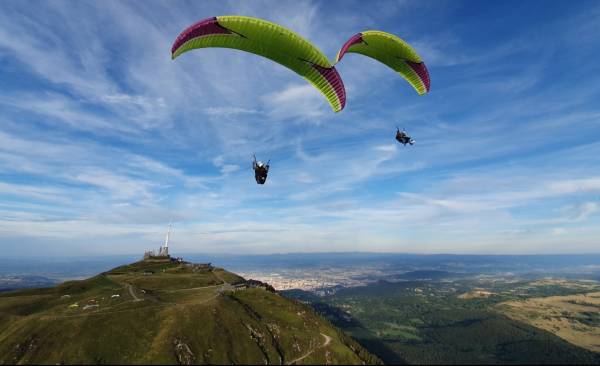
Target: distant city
<point x="317" y="272"/>
<point x="318" y="278"/>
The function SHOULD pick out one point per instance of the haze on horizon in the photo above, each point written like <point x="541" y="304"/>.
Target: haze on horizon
<point x="104" y="139"/>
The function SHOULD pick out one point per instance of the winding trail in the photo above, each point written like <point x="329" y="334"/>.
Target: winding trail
<point x="105" y="312"/>
<point x="193" y="288"/>
<point x="325" y="344"/>
<point x="221" y="278"/>
<point x="132" y="293"/>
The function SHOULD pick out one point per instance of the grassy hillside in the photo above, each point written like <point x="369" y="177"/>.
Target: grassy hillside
<point x="160" y="312"/>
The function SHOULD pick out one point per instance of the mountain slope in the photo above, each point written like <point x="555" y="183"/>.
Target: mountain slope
<point x="166" y="312"/>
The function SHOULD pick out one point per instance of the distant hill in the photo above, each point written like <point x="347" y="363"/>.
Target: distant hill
<point x="26" y="281"/>
<point x="427" y="275"/>
<point x="166" y="312"/>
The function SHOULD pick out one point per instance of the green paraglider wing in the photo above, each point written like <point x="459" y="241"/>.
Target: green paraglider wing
<point x="393" y="52"/>
<point x="269" y="40"/>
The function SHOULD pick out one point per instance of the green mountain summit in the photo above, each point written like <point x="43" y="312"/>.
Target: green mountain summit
<point x="165" y="311"/>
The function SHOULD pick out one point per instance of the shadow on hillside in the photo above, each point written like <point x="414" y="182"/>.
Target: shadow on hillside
<point x="345" y="321"/>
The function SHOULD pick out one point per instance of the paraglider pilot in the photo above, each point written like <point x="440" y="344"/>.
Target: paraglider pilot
<point x="403" y="138"/>
<point x="260" y="170"/>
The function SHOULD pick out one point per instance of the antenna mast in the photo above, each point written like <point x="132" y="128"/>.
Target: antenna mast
<point x="168" y="236"/>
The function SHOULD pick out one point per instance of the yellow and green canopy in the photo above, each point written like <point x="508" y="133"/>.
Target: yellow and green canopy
<point x="269" y="40"/>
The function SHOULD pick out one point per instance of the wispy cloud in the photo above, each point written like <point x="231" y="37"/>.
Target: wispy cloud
<point x="229" y="111"/>
<point x="296" y="101"/>
<point x="104" y="138"/>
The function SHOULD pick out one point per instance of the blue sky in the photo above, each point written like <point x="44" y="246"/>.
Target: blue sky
<point x="104" y="139"/>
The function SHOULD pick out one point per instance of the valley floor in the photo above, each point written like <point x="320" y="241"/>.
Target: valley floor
<point x="484" y="320"/>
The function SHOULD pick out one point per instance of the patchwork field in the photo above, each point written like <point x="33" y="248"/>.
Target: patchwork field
<point x="472" y="321"/>
<point x="575" y="318"/>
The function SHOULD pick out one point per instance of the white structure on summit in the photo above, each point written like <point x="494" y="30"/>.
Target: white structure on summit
<point x="163" y="251"/>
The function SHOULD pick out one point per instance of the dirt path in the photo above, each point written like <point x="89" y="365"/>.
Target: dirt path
<point x="132" y="293"/>
<point x="325" y="344"/>
<point x="193" y="288"/>
<point x="221" y="278"/>
<point x="106" y="311"/>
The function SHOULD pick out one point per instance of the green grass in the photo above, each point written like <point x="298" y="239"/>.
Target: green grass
<point x="177" y="306"/>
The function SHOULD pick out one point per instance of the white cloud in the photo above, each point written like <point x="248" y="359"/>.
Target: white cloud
<point x="119" y="187"/>
<point x="219" y="161"/>
<point x="228" y="111"/>
<point x="390" y="148"/>
<point x="586" y="209"/>
<point x="559" y="231"/>
<point x="60" y="111"/>
<point x="229" y="168"/>
<point x="569" y="186"/>
<point x="296" y="101"/>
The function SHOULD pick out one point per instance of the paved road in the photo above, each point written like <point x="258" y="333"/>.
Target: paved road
<point x="325" y="344"/>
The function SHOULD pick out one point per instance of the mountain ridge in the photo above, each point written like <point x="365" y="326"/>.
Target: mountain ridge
<point x="167" y="312"/>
